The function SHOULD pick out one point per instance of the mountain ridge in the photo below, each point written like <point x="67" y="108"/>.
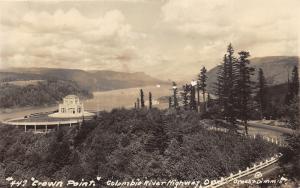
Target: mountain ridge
<point x="276" y="69"/>
<point x="95" y="80"/>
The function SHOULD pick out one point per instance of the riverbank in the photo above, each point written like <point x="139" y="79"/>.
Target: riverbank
<point x="102" y="100"/>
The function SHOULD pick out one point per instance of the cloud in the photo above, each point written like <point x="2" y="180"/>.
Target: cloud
<point x="164" y="38"/>
<point x="67" y="37"/>
<point x="264" y="27"/>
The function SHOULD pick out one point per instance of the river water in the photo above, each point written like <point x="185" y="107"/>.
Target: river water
<point x="103" y="100"/>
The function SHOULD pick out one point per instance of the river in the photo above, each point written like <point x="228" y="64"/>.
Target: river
<point x="102" y="100"/>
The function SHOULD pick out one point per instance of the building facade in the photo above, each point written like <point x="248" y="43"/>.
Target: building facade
<point x="71" y="105"/>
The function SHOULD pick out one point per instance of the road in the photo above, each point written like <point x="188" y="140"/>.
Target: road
<point x="269" y="127"/>
<point x="264" y="130"/>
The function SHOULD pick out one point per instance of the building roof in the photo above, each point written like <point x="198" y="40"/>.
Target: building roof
<point x="71" y="97"/>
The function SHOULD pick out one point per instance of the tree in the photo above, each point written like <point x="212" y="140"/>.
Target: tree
<point x="230" y="83"/>
<point x="193" y="105"/>
<point x="295" y="82"/>
<point x="138" y="103"/>
<point x="170" y="102"/>
<point x="219" y="85"/>
<point x="293" y="86"/>
<point x="291" y="153"/>
<point x="184" y="95"/>
<point x="142" y="98"/>
<point x="203" y="79"/>
<point x="208" y="100"/>
<point x="293" y="112"/>
<point x="244" y="87"/>
<point x="226" y="87"/>
<point x="175" y="95"/>
<point x="150" y="100"/>
<point x="198" y="92"/>
<point x="262" y="92"/>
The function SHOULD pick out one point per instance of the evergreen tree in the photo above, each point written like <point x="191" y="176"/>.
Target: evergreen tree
<point x="295" y="82"/>
<point x="150" y="100"/>
<point x="170" y="102"/>
<point x="198" y="92"/>
<point x="138" y="103"/>
<point x="175" y="95"/>
<point x="226" y="87"/>
<point x="244" y="87"/>
<point x="219" y="85"/>
<point x="262" y="92"/>
<point x="184" y="95"/>
<point x="293" y="86"/>
<point x="142" y="98"/>
<point x="193" y="105"/>
<point x="208" y="101"/>
<point x="203" y="79"/>
<point x="228" y="84"/>
<point x="291" y="153"/>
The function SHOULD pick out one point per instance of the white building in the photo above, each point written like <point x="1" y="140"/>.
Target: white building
<point x="71" y="107"/>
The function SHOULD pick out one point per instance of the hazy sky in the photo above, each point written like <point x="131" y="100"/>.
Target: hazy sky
<point x="167" y="39"/>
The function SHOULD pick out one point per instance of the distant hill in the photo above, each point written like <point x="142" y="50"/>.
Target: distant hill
<point x="41" y="93"/>
<point x="275" y="69"/>
<point x="91" y="80"/>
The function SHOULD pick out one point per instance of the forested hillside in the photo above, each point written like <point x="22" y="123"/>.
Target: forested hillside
<point x="98" y="80"/>
<point x="128" y="144"/>
<point x="43" y="93"/>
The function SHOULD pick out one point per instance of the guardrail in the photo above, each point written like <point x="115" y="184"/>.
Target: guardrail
<point x="274" y="140"/>
<point x="249" y="170"/>
<point x="240" y="174"/>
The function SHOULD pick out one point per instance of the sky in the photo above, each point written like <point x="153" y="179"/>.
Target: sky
<point x="167" y="39"/>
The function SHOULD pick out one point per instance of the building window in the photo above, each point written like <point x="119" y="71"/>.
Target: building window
<point x="62" y="110"/>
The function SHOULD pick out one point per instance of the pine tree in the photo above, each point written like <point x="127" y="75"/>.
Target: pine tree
<point x="193" y="105"/>
<point x="226" y="87"/>
<point x="138" y="103"/>
<point x="203" y="79"/>
<point x="198" y="92"/>
<point x="142" y="98"/>
<point x="244" y="87"/>
<point x="150" y="100"/>
<point x="184" y="95"/>
<point x="262" y="92"/>
<point x="293" y="86"/>
<point x="175" y="95"/>
<point x="219" y="85"/>
<point x="208" y="101"/>
<point x="230" y="82"/>
<point x="293" y="100"/>
<point x="295" y="82"/>
<point x="170" y="102"/>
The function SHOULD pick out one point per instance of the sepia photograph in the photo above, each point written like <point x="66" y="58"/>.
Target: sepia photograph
<point x="149" y="93"/>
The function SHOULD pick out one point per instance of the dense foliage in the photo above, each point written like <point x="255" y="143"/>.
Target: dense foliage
<point x="44" y="93"/>
<point x="130" y="144"/>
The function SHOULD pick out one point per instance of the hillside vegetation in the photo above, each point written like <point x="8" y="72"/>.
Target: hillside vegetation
<point x="99" y="80"/>
<point x="41" y="93"/>
<point x="128" y="144"/>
